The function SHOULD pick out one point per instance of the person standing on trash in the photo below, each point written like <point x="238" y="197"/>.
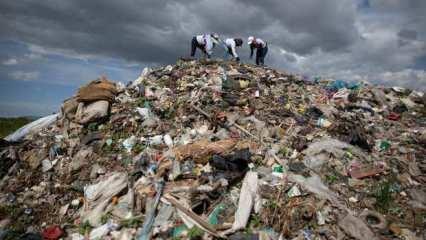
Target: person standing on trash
<point x="204" y="42"/>
<point x="261" y="49"/>
<point x="231" y="44"/>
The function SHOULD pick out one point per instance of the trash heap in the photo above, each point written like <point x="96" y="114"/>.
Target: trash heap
<point x="215" y="149"/>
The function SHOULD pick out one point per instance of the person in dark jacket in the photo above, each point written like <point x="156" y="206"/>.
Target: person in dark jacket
<point x="261" y="49"/>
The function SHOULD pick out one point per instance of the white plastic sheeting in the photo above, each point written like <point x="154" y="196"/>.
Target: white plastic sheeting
<point x="32" y="127"/>
<point x="246" y="202"/>
<point x="98" y="196"/>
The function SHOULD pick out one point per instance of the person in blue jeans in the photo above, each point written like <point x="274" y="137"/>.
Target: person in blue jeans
<point x="261" y="49"/>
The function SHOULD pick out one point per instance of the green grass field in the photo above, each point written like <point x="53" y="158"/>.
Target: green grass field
<point x="9" y="125"/>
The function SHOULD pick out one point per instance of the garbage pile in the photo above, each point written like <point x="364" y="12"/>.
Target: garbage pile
<point x="216" y="149"/>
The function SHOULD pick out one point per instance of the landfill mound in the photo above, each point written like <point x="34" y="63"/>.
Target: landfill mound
<point x="215" y="149"/>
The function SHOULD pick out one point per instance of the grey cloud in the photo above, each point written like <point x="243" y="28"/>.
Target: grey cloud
<point x="159" y="31"/>
<point x="133" y="30"/>
<point x="290" y="58"/>
<point x="334" y="36"/>
<point x="306" y="25"/>
<point x="24" y="76"/>
<point x="10" y="61"/>
<point x="408" y="34"/>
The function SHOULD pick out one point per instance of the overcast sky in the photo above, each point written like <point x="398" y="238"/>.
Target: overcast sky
<point x="48" y="48"/>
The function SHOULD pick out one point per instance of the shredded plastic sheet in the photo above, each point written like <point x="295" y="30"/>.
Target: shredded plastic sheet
<point x="314" y="185"/>
<point x="150" y="215"/>
<point x="98" y="196"/>
<point x="32" y="127"/>
<point x="245" y="202"/>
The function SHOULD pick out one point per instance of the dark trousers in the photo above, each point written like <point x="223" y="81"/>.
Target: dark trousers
<point x="230" y="51"/>
<point x="195" y="45"/>
<point x="260" y="55"/>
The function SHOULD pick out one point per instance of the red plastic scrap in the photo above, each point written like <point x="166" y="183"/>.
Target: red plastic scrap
<point x="394" y="116"/>
<point x="52" y="233"/>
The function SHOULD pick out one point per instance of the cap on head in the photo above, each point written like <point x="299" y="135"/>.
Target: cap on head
<point x="250" y="40"/>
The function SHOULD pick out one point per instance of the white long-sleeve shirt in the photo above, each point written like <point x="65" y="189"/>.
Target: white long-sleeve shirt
<point x="230" y="43"/>
<point x="207" y="41"/>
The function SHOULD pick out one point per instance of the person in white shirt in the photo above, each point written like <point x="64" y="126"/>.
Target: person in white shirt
<point x="231" y="44"/>
<point x="261" y="49"/>
<point x="204" y="42"/>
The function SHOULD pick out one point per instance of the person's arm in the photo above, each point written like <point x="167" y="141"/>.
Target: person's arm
<point x="251" y="50"/>
<point x="234" y="52"/>
<point x="209" y="47"/>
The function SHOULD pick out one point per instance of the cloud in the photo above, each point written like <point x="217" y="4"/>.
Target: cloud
<point x="159" y="31"/>
<point x="10" y="61"/>
<point x="342" y="38"/>
<point x="24" y="76"/>
<point x="408" y="34"/>
<point x="417" y="77"/>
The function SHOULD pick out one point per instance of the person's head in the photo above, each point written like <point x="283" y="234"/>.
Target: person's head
<point x="238" y="42"/>
<point x="215" y="38"/>
<point x="250" y="40"/>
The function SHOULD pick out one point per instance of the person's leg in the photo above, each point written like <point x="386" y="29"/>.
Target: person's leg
<point x="264" y="51"/>
<point x="261" y="57"/>
<point x="193" y="46"/>
<point x="203" y="49"/>
<point x="258" y="55"/>
<point x="230" y="51"/>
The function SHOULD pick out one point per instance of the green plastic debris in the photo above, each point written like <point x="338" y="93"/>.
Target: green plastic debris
<point x="348" y="154"/>
<point x="147" y="104"/>
<point x="178" y="231"/>
<point x="384" y="145"/>
<point x="278" y="168"/>
<point x="213" y="217"/>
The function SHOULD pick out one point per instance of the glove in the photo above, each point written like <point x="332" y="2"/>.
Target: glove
<point x="237" y="59"/>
